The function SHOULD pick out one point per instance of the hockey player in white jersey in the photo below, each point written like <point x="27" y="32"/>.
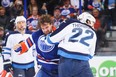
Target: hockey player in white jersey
<point x="77" y="42"/>
<point x="22" y="64"/>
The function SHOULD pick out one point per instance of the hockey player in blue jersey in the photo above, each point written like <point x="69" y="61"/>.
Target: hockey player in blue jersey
<point x="46" y="55"/>
<point x="77" y="42"/>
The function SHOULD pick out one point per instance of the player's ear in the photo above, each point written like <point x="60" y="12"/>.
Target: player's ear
<point x="88" y="21"/>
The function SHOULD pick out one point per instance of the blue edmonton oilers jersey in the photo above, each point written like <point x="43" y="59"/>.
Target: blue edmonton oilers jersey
<point x="46" y="55"/>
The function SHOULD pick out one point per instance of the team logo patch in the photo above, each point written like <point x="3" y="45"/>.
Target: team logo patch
<point x="34" y="23"/>
<point x="5" y="3"/>
<point x="65" y="12"/>
<point x="42" y="45"/>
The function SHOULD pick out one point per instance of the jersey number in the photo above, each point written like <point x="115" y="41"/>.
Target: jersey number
<point x="77" y="32"/>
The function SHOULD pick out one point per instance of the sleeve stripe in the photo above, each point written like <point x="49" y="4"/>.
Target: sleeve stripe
<point x="6" y="53"/>
<point x="4" y="48"/>
<point x="29" y="42"/>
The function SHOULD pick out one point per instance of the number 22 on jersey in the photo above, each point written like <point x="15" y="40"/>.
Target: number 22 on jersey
<point x="78" y="32"/>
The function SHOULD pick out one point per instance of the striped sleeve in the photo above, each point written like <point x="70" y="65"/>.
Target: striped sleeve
<point x="6" y="52"/>
<point x="25" y="45"/>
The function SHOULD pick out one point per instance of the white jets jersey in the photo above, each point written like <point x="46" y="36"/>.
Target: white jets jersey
<point x="76" y="40"/>
<point x="23" y="61"/>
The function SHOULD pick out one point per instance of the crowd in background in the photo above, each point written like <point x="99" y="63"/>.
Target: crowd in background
<point x="102" y="10"/>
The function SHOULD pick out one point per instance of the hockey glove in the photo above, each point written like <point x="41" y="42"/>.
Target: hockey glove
<point x="7" y="65"/>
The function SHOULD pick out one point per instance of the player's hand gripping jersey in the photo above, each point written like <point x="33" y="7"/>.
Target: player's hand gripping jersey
<point x="77" y="40"/>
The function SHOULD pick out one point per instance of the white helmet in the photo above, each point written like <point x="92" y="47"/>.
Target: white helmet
<point x="85" y="17"/>
<point x="20" y="18"/>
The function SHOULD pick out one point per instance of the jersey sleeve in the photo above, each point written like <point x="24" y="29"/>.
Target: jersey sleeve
<point x="92" y="49"/>
<point x="25" y="45"/>
<point x="6" y="50"/>
<point x="58" y="34"/>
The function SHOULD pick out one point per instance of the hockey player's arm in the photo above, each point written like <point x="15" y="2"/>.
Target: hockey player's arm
<point x="92" y="49"/>
<point x="6" y="55"/>
<point x="23" y="46"/>
<point x="58" y="35"/>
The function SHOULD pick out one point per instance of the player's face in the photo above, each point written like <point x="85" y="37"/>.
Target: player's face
<point x="46" y="28"/>
<point x="21" y="25"/>
<point x="35" y="11"/>
<point x="57" y="13"/>
<point x="95" y="13"/>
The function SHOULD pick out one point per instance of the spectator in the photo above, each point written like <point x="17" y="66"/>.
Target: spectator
<point x="100" y="27"/>
<point x="112" y="10"/>
<point x="44" y="9"/>
<point x="96" y="14"/>
<point x="88" y="5"/>
<point x="32" y="21"/>
<point x="49" y="4"/>
<point x="75" y="3"/>
<point x="2" y="37"/>
<point x="32" y="3"/>
<point x="2" y="41"/>
<point x="1" y="33"/>
<point x="16" y="9"/>
<point x="109" y="10"/>
<point x="97" y="4"/>
<point x="67" y="10"/>
<point x="4" y="20"/>
<point x="57" y="17"/>
<point x="7" y="4"/>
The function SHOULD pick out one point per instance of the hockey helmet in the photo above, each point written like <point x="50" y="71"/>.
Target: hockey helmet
<point x="20" y="18"/>
<point x="85" y="17"/>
